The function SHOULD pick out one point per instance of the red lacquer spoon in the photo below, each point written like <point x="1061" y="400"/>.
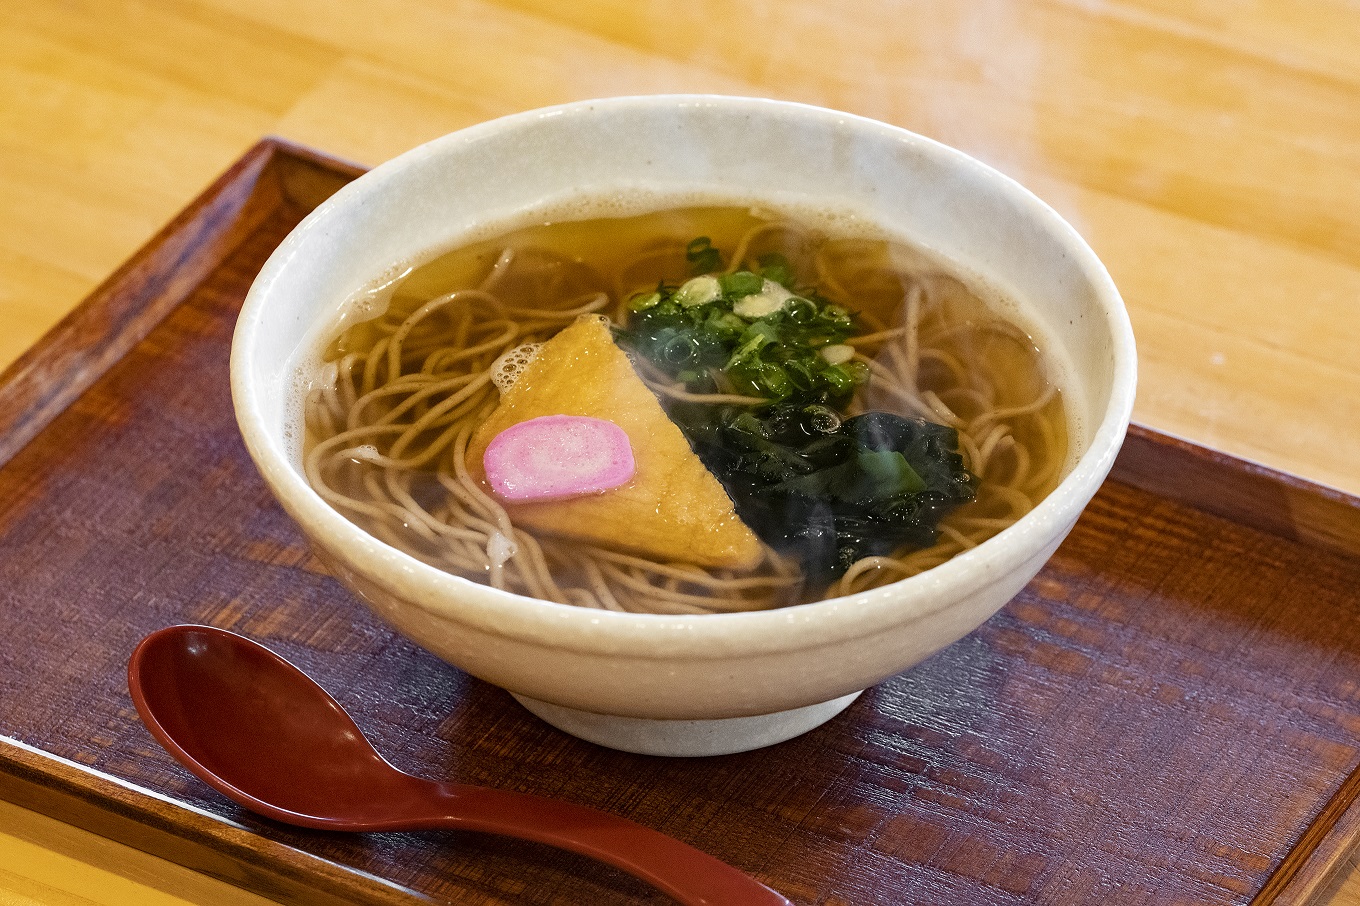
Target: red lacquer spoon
<point x="258" y="730"/>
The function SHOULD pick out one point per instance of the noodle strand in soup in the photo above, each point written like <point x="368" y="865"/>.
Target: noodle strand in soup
<point x="390" y="417"/>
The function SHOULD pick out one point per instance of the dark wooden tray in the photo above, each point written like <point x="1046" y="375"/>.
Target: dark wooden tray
<point x="1169" y="713"/>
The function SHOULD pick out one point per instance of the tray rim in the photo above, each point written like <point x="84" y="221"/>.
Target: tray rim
<point x="128" y="304"/>
<point x="165" y="271"/>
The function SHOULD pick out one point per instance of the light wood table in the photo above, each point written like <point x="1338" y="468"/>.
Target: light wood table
<point x="1210" y="152"/>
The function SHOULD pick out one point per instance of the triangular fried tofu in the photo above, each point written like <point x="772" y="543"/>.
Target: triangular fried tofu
<point x="672" y="510"/>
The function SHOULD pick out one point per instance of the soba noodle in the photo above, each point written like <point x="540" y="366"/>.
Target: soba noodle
<point x="389" y="420"/>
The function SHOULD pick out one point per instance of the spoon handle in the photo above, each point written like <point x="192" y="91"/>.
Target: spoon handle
<point x="692" y="877"/>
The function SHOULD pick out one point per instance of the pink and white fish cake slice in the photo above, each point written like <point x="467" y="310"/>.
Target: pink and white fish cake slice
<point x="558" y="456"/>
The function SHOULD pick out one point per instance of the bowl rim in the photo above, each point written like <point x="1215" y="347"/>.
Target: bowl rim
<point x="457" y="600"/>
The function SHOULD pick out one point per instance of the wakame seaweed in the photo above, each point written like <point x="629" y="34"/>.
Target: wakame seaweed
<point x="827" y="489"/>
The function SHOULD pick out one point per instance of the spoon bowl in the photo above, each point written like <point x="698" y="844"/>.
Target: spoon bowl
<point x="261" y="732"/>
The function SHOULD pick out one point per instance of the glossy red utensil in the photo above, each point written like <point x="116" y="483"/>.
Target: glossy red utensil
<point x="260" y="731"/>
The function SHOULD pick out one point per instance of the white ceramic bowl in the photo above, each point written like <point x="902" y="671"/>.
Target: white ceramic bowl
<point x="684" y="685"/>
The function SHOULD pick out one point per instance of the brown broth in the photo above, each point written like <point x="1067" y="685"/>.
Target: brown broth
<point x="972" y="359"/>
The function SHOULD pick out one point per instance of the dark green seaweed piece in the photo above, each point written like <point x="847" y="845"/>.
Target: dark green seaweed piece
<point x="826" y="491"/>
<point x="865" y="487"/>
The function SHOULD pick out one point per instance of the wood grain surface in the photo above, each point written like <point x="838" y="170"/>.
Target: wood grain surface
<point x="1147" y="723"/>
<point x="1208" y="149"/>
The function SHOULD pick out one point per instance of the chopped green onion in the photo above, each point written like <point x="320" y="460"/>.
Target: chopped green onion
<point x="858" y="371"/>
<point x="800" y="310"/>
<point x="769" y="300"/>
<point x="774" y="266"/>
<point x="698" y="291"/>
<point x="680" y="349"/>
<point x="742" y="283"/>
<point x="643" y="301"/>
<point x="822" y="419"/>
<point x="703" y="258"/>
<point x="773" y="379"/>
<point x="760" y="328"/>
<point x="730" y="322"/>
<point x="838" y="377"/>
<point x="800" y="374"/>
<point x="751" y="345"/>
<point x="837" y="353"/>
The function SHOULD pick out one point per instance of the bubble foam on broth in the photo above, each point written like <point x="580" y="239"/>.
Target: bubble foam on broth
<point x="310" y="367"/>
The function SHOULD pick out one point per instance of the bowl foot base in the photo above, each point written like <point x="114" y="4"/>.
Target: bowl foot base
<point x="687" y="738"/>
